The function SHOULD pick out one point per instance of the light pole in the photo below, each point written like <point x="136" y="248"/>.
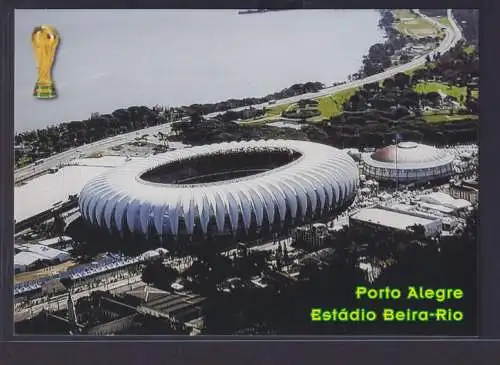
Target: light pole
<point x="396" y="142"/>
<point x="397" y="172"/>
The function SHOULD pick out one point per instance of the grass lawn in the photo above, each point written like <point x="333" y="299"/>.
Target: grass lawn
<point x="439" y="118"/>
<point x="272" y="113"/>
<point x="403" y="13"/>
<point x="455" y="91"/>
<point x="329" y="106"/>
<point x="470" y="48"/>
<point x="333" y="105"/>
<point x="445" y="21"/>
<point x="412" y="25"/>
<point x="276" y="110"/>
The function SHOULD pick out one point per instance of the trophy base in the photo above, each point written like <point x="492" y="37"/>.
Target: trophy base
<point x="44" y="91"/>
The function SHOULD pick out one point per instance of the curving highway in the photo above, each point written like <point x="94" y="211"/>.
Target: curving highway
<point x="452" y="35"/>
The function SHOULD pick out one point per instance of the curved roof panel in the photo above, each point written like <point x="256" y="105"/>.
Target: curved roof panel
<point x="322" y="178"/>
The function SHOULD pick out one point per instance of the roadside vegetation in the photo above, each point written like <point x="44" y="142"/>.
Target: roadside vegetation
<point x="470" y="49"/>
<point x="401" y="102"/>
<point x="467" y="18"/>
<point x="445" y="118"/>
<point x="437" y="104"/>
<point x="457" y="92"/>
<point x="333" y="105"/>
<point x="445" y="21"/>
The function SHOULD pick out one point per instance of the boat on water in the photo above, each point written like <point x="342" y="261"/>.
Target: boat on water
<point x="252" y="11"/>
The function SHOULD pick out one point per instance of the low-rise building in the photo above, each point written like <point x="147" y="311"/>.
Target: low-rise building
<point x="467" y="189"/>
<point x="26" y="261"/>
<point x="392" y="219"/>
<point x="445" y="202"/>
<point x="49" y="254"/>
<point x="61" y="242"/>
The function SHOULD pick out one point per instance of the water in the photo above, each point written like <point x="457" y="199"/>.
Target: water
<point x="109" y="59"/>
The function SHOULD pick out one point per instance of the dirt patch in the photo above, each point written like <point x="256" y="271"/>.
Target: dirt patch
<point x="44" y="273"/>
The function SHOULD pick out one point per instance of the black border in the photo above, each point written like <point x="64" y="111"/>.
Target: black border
<point x="208" y="351"/>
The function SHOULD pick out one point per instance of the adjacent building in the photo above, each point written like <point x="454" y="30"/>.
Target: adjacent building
<point x="35" y="256"/>
<point x="443" y="202"/>
<point x="61" y="242"/>
<point x="392" y="219"/>
<point x="27" y="261"/>
<point x="468" y="190"/>
<point x="408" y="162"/>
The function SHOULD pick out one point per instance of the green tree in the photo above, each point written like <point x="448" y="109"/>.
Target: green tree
<point x="159" y="275"/>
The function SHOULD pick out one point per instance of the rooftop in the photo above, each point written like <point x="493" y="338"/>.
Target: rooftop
<point x="47" y="252"/>
<point x="408" y="155"/>
<point x="389" y="218"/>
<point x="445" y="200"/>
<point x="439" y="208"/>
<point x="55" y="240"/>
<point x="25" y="258"/>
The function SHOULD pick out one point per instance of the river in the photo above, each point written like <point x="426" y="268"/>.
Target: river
<point x="108" y="59"/>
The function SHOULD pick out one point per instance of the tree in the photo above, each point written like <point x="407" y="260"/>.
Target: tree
<point x="163" y="138"/>
<point x="389" y="83"/>
<point x="285" y="256"/>
<point x="252" y="264"/>
<point x="433" y="96"/>
<point x="67" y="282"/>
<point x="402" y="80"/>
<point x="59" y="224"/>
<point x="159" y="275"/>
<point x="308" y="271"/>
<point x="196" y="117"/>
<point x="418" y="230"/>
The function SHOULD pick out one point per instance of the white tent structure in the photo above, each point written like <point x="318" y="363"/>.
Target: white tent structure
<point x="445" y="200"/>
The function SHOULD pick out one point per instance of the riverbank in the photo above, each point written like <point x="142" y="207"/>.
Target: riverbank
<point x="211" y="56"/>
<point x="73" y="134"/>
<point x="380" y="57"/>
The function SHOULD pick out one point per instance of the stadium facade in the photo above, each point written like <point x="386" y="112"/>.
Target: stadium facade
<point x="236" y="188"/>
<point x="408" y="162"/>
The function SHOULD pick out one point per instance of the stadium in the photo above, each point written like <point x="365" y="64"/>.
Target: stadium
<point x="237" y="189"/>
<point x="408" y="162"/>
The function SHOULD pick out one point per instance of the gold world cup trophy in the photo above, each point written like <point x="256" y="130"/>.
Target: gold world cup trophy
<point x="45" y="40"/>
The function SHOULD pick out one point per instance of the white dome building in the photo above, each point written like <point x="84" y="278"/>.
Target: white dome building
<point x="228" y="188"/>
<point x="408" y="162"/>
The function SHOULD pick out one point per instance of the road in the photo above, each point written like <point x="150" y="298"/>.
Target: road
<point x="452" y="36"/>
<point x="61" y="302"/>
<point x="66" y="156"/>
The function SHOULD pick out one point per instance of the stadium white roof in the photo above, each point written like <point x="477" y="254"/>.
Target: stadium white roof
<point x="322" y="177"/>
<point x="388" y="218"/>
